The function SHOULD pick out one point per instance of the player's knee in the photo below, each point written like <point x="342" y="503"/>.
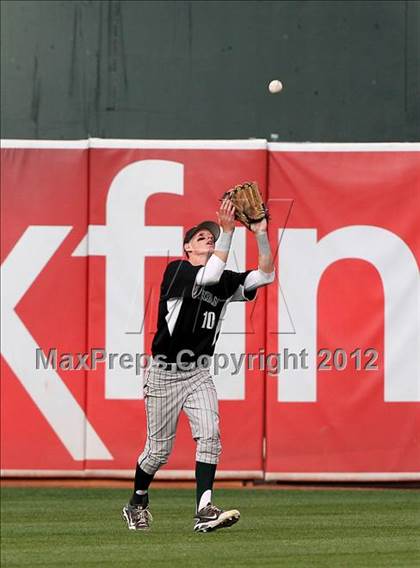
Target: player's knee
<point x="212" y="431"/>
<point x="218" y="447"/>
<point x="155" y="459"/>
<point x="209" y="449"/>
<point x="160" y="457"/>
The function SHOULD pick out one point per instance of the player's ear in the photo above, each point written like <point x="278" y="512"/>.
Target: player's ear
<point x="187" y="248"/>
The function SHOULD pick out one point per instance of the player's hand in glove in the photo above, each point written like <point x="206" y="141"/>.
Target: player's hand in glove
<point x="249" y="205"/>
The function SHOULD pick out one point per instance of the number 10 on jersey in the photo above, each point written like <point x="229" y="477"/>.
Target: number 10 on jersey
<point x="209" y="320"/>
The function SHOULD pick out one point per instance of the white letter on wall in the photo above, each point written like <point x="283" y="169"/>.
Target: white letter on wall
<point x="125" y="241"/>
<point x="52" y="397"/>
<point x="303" y="260"/>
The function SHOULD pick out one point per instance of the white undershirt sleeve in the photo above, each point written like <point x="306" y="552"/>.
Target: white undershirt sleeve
<point x="257" y="278"/>
<point x="210" y="273"/>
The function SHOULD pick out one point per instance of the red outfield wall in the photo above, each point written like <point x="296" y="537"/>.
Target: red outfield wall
<point x="87" y="230"/>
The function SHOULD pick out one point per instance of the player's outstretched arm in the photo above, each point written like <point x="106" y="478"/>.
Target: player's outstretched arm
<point x="265" y="257"/>
<point x="265" y="273"/>
<point x="226" y="218"/>
<point x="212" y="272"/>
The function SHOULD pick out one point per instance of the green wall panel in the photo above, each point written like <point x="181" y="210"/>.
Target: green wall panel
<point x="128" y="69"/>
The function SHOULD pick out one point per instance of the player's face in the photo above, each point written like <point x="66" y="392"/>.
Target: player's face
<point x="202" y="242"/>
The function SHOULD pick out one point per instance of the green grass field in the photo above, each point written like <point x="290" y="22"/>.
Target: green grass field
<point x="83" y="527"/>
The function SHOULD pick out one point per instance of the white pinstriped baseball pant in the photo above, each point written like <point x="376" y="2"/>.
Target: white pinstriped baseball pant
<point x="166" y="394"/>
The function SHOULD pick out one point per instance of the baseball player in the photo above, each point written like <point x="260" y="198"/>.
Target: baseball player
<point x="194" y="295"/>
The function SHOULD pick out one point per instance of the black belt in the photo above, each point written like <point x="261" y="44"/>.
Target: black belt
<point x="173" y="367"/>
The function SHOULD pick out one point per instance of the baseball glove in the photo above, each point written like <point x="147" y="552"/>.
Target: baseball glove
<point x="248" y="202"/>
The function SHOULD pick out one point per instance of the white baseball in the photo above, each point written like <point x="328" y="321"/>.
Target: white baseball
<point x="275" y="86"/>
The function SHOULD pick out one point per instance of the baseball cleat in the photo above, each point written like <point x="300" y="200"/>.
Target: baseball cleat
<point x="137" y="517"/>
<point x="211" y="518"/>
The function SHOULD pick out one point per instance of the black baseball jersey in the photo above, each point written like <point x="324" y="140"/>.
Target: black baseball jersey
<point x="190" y="316"/>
